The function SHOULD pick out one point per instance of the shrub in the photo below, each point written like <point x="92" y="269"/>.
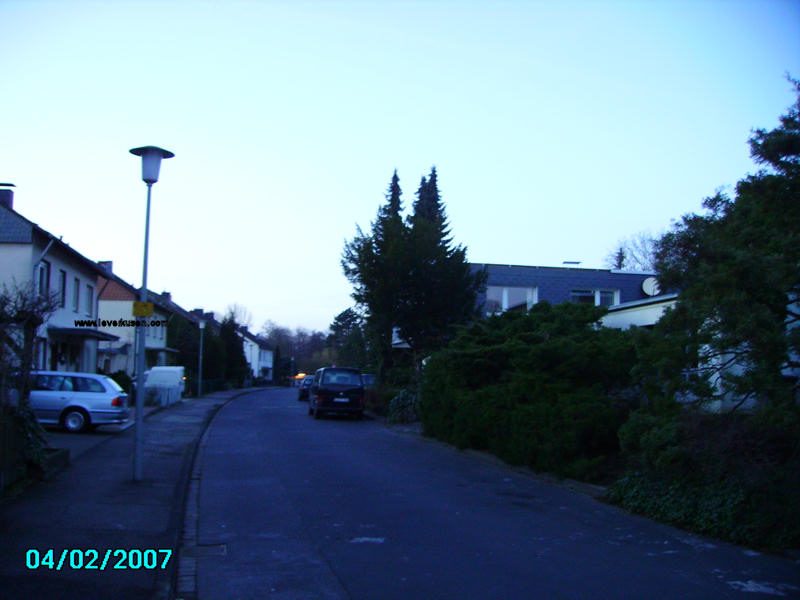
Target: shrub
<point x="123" y="380"/>
<point x="543" y="389"/>
<point x="403" y="408"/>
<point x="733" y="476"/>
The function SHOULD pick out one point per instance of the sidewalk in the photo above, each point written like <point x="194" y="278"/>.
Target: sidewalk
<point x="95" y="508"/>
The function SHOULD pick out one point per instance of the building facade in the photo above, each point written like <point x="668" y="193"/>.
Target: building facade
<point x="36" y="260"/>
<point x="517" y="287"/>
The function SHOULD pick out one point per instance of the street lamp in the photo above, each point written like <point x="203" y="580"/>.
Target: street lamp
<point x="202" y="325"/>
<point x="151" y="162"/>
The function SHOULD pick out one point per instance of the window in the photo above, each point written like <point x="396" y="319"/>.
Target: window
<point x="85" y="384"/>
<point x="607" y="298"/>
<point x="48" y="383"/>
<point x="89" y="300"/>
<point x="76" y="296"/>
<point x="582" y="296"/>
<point x="500" y="299"/>
<point x="62" y="288"/>
<point x="595" y="297"/>
<point x="44" y="278"/>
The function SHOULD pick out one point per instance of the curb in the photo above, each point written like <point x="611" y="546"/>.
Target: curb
<point x="166" y="584"/>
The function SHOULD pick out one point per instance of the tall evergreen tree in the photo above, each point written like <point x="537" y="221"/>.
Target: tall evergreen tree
<point x="347" y="339"/>
<point x="376" y="265"/>
<point x="441" y="289"/>
<point x="236" y="368"/>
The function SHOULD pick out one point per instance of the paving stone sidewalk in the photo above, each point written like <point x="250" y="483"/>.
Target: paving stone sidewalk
<point x="94" y="506"/>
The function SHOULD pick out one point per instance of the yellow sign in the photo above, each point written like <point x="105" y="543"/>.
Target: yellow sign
<point x="142" y="309"/>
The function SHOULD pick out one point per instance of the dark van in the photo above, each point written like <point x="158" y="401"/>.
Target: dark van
<point x="337" y="390"/>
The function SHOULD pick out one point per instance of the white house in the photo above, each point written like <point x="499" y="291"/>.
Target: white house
<point x="33" y="257"/>
<point x="115" y="312"/>
<point x="638" y="313"/>
<point x="257" y="353"/>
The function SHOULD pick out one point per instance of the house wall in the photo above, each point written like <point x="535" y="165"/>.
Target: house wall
<point x="640" y="316"/>
<point x="124" y="357"/>
<point x="532" y="284"/>
<point x="16" y="264"/>
<point x="265" y="359"/>
<point x="251" y="355"/>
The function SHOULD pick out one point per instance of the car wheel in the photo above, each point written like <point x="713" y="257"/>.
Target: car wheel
<point x="75" y="420"/>
<point x="359" y="416"/>
<point x="309" y="410"/>
<point x="317" y="414"/>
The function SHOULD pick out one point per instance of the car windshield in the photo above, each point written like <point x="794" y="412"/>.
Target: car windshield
<point x="341" y="377"/>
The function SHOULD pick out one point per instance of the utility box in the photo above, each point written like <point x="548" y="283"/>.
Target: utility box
<point x="166" y="384"/>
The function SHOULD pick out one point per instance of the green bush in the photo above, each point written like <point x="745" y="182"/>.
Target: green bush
<point x="403" y="408"/>
<point x="548" y="389"/>
<point x="736" y="477"/>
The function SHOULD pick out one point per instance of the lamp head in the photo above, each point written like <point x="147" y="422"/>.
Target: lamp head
<point x="151" y="161"/>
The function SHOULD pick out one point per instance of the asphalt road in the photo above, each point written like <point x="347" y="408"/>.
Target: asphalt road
<point x="290" y="507"/>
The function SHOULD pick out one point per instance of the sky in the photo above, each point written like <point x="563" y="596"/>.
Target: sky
<point x="557" y="129"/>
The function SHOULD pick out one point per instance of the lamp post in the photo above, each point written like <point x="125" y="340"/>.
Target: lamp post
<point x="202" y="325"/>
<point x="151" y="163"/>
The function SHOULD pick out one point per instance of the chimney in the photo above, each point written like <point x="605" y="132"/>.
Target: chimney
<point x="107" y="265"/>
<point x="167" y="296"/>
<point x="7" y="195"/>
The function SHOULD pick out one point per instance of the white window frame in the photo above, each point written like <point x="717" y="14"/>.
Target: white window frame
<point x="43" y="276"/>
<point x="597" y="294"/>
<point x="532" y="297"/>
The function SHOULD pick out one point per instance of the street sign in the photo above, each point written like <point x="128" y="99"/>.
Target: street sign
<point x="142" y="309"/>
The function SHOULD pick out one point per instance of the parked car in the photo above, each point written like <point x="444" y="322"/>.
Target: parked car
<point x="305" y="385"/>
<point x="368" y="379"/>
<point x="77" y="401"/>
<point x="337" y="390"/>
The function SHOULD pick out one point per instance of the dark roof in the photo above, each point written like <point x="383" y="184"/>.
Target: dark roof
<point x="16" y="229"/>
<point x="158" y="300"/>
<point x="554" y="284"/>
<point x="83" y="332"/>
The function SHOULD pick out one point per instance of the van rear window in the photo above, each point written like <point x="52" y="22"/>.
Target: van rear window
<point x="341" y="377"/>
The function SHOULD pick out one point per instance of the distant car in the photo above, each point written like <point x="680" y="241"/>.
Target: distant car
<point x="77" y="401"/>
<point x="305" y="385"/>
<point x="337" y="390"/>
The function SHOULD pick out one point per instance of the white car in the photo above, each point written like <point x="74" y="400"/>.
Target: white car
<point x="77" y="401"/>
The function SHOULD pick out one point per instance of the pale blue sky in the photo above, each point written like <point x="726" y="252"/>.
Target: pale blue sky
<point x="557" y="129"/>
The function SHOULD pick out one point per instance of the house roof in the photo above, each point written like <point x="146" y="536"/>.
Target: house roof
<point x="661" y="298"/>
<point x="555" y="284"/>
<point x="16" y="229"/>
<point x="82" y="332"/>
<point x="119" y="289"/>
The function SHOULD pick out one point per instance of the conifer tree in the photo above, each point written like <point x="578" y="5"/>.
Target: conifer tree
<point x="738" y="314"/>
<point x="376" y="265"/>
<point x="441" y="289"/>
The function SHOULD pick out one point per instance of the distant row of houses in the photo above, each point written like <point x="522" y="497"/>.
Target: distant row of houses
<point x="90" y="293"/>
<point x="80" y="335"/>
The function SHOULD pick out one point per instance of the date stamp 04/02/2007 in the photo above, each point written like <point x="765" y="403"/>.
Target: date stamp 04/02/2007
<point x="91" y="558"/>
